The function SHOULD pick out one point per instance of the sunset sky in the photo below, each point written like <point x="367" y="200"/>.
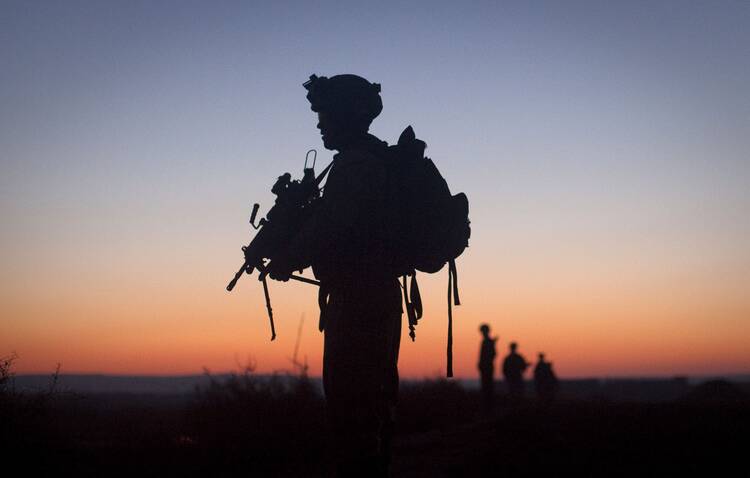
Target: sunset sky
<point x="604" y="150"/>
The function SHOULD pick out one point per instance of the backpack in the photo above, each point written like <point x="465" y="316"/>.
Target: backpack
<point x="428" y="227"/>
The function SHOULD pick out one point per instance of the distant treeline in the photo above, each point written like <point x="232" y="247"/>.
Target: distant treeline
<point x="626" y="389"/>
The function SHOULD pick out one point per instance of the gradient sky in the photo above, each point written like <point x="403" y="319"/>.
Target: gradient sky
<point x="604" y="149"/>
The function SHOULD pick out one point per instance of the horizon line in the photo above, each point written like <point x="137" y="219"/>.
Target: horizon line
<point x="745" y="374"/>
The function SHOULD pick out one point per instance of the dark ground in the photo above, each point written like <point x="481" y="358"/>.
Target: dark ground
<point x="245" y="427"/>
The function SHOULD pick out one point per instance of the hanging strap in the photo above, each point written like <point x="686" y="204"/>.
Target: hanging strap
<point x="452" y="299"/>
<point x="410" y="310"/>
<point x="449" y="359"/>
<point x="323" y="293"/>
<point x="415" y="296"/>
<point x="454" y="272"/>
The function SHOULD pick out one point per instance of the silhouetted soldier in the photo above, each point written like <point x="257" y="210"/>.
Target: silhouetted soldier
<point x="514" y="367"/>
<point x="486" y="366"/>
<point x="545" y="381"/>
<point x="360" y="297"/>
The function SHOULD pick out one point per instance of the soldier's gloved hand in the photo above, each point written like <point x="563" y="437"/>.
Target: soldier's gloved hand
<point x="280" y="269"/>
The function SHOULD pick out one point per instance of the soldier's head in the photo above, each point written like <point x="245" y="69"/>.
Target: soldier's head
<point x="513" y="346"/>
<point x="541" y="357"/>
<point x="484" y="329"/>
<point x="346" y="105"/>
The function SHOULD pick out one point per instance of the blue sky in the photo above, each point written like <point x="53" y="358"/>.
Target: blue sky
<point x="594" y="140"/>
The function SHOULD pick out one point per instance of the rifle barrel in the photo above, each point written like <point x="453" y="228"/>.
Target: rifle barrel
<point x="243" y="269"/>
<point x="237" y="276"/>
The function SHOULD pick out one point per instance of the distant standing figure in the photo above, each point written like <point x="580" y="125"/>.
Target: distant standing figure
<point x="486" y="366"/>
<point x="545" y="381"/>
<point x="514" y="367"/>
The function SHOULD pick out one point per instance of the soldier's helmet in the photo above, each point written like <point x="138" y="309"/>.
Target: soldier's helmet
<point x="350" y="98"/>
<point x="484" y="328"/>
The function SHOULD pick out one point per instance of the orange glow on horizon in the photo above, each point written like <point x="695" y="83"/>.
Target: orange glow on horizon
<point x="182" y="330"/>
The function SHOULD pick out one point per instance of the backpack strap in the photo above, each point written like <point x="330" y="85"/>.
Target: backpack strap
<point x="452" y="299"/>
<point x="411" y="312"/>
<point x="323" y="293"/>
<point x="415" y="296"/>
<point x="454" y="272"/>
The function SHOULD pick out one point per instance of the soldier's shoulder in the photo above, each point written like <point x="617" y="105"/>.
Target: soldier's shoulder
<point x="353" y="156"/>
<point x="358" y="159"/>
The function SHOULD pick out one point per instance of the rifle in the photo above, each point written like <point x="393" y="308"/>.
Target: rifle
<point x="295" y="201"/>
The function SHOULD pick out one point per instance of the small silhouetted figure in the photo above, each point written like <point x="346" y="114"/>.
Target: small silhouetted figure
<point x="545" y="381"/>
<point x="486" y="366"/>
<point x="514" y="367"/>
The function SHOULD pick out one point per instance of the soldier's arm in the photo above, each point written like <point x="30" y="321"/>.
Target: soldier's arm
<point x="351" y="188"/>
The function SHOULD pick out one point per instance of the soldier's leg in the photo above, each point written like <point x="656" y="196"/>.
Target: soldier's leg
<point x="390" y="392"/>
<point x="361" y="379"/>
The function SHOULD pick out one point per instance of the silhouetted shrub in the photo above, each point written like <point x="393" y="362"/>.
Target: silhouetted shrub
<point x="716" y="391"/>
<point x="431" y="404"/>
<point x="27" y="418"/>
<point x="262" y="416"/>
